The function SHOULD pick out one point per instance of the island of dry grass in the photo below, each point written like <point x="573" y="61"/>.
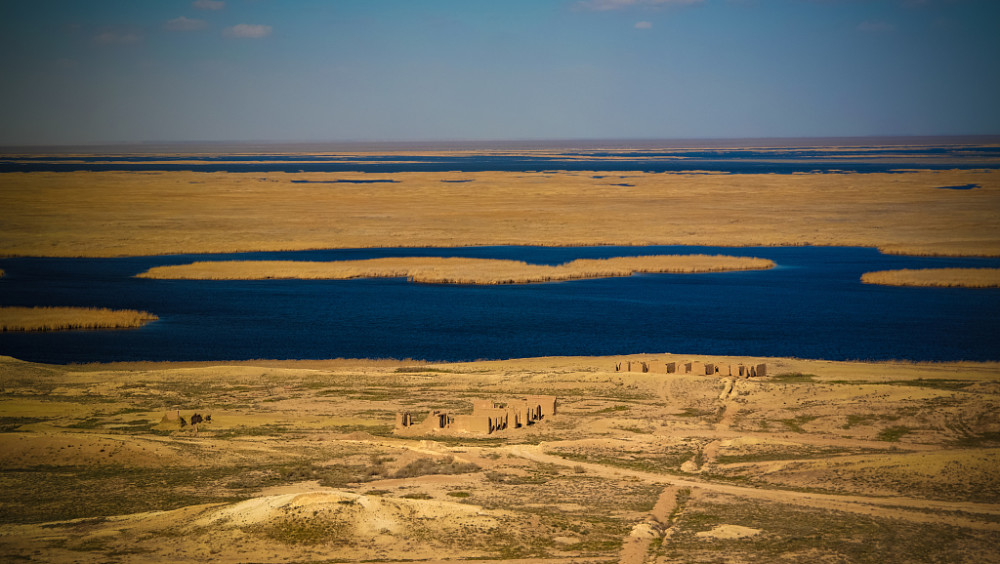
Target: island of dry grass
<point x="456" y="270"/>
<point x="119" y="213"/>
<point x="943" y="277"/>
<point x="66" y="318"/>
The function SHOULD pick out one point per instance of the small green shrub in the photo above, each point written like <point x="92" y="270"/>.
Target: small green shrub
<point x="893" y="434"/>
<point x="793" y="377"/>
<point x="425" y="466"/>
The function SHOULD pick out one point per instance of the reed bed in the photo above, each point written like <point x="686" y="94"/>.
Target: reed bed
<point x="66" y="318"/>
<point x="942" y="277"/>
<point x="444" y="270"/>
<point x="119" y="213"/>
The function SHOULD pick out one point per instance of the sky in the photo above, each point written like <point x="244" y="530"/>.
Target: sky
<point x="124" y="71"/>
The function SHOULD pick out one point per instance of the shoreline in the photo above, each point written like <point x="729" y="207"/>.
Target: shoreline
<point x="285" y="249"/>
<point x="431" y="367"/>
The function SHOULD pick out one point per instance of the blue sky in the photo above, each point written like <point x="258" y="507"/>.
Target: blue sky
<point x="268" y="70"/>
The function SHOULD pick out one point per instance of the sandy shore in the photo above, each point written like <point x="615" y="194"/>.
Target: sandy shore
<point x="818" y="460"/>
<point x="152" y="213"/>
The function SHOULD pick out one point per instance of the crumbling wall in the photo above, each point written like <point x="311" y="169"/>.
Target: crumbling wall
<point x="403" y="419"/>
<point x="695" y="367"/>
<point x="488" y="416"/>
<point x="546" y="404"/>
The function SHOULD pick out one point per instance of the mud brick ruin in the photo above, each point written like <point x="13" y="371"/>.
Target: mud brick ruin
<point x="487" y="417"/>
<point x="694" y="367"/>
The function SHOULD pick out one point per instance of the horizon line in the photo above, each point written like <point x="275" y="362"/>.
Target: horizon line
<point x="512" y="143"/>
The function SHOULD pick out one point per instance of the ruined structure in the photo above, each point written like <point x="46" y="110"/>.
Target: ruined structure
<point x="487" y="417"/>
<point x="174" y="420"/>
<point x="694" y="367"/>
<point x="640" y="366"/>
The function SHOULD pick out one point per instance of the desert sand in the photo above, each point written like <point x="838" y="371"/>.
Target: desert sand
<point x="817" y="461"/>
<point x="456" y="270"/>
<point x="151" y="213"/>
<point x="942" y="277"/>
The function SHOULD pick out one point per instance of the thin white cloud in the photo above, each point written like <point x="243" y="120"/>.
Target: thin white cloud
<point x="209" y="4"/>
<point x="873" y="26"/>
<point x="605" y="5"/>
<point x="116" y="37"/>
<point x="643" y="25"/>
<point x="185" y="24"/>
<point x="248" y="31"/>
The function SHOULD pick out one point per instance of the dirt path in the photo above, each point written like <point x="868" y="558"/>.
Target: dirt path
<point x="726" y="422"/>
<point x="909" y="509"/>
<point x="635" y="547"/>
<point x="665" y="505"/>
<point x="804" y="439"/>
<point x="666" y="392"/>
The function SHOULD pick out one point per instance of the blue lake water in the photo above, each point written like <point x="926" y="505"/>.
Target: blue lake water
<point x="779" y="160"/>
<point x="811" y="306"/>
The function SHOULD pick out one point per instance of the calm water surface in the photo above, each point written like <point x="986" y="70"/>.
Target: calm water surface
<point x="811" y="306"/>
<point x="775" y="160"/>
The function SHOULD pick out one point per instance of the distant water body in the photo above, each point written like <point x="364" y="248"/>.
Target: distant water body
<point x="825" y="156"/>
<point x="812" y="305"/>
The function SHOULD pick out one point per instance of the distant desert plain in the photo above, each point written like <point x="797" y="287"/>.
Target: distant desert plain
<point x="305" y="460"/>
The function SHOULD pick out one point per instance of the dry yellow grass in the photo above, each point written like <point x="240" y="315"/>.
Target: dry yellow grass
<point x="301" y="464"/>
<point x="948" y="277"/>
<point x="150" y="213"/>
<point x="64" y="318"/>
<point x="452" y="270"/>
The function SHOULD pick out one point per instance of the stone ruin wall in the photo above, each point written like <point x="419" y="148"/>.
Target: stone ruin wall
<point x="693" y="367"/>
<point x="487" y="417"/>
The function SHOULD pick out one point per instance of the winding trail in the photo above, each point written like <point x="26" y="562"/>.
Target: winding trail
<point x="904" y="508"/>
<point x="635" y="547"/>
